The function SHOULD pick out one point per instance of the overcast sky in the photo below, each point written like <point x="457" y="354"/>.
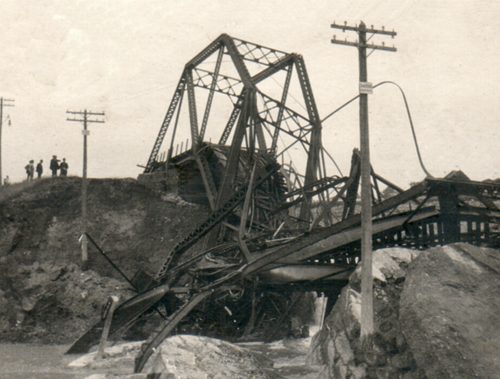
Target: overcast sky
<point x="125" y="58"/>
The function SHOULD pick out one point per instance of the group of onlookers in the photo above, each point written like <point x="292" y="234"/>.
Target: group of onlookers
<point x="55" y="166"/>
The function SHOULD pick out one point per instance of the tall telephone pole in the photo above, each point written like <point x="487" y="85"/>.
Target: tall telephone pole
<point x="86" y="117"/>
<point x="3" y="103"/>
<point x="365" y="88"/>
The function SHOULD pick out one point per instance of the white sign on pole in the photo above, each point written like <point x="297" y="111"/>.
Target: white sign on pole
<point x="365" y="88"/>
<point x="86" y="132"/>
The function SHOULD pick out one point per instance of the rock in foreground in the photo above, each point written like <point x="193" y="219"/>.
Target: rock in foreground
<point x="450" y="312"/>
<point x="436" y="316"/>
<point x="182" y="357"/>
<point x="190" y="357"/>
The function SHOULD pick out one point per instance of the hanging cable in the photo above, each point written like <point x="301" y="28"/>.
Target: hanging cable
<point x="422" y="165"/>
<point x="333" y="160"/>
<point x="412" y="127"/>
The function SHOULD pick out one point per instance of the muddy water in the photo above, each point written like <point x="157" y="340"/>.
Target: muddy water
<point x="36" y="361"/>
<point x="288" y="356"/>
<point x="49" y="362"/>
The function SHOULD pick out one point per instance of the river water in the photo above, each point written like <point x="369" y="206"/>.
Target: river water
<point x="49" y="362"/>
<point x="36" y="361"/>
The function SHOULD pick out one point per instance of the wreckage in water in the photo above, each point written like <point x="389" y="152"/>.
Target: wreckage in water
<point x="274" y="228"/>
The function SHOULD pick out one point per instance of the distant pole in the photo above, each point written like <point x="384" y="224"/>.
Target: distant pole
<point x="85" y="120"/>
<point x="85" y="132"/>
<point x="365" y="88"/>
<point x="3" y="103"/>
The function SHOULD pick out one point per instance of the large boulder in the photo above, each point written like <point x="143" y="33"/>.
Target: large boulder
<point x="436" y="316"/>
<point x="190" y="357"/>
<point x="337" y="346"/>
<point x="450" y="312"/>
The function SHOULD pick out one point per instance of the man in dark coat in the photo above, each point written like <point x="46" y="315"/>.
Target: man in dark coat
<point x="39" y="169"/>
<point x="54" y="165"/>
<point x="64" y="167"/>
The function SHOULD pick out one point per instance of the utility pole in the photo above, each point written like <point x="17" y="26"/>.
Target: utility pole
<point x="365" y="88"/>
<point x="83" y="116"/>
<point x="3" y="103"/>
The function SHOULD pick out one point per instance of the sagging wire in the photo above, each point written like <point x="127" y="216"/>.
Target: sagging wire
<point x="412" y="127"/>
<point x="422" y="165"/>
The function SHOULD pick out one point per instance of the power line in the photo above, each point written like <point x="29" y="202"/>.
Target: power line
<point x="3" y="103"/>
<point x="86" y="117"/>
<point x="412" y="127"/>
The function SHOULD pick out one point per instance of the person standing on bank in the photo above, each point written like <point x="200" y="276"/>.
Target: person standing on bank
<point x="30" y="170"/>
<point x="54" y="165"/>
<point x="39" y="169"/>
<point x="64" y="167"/>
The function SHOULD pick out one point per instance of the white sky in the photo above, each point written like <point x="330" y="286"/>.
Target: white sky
<point x="125" y="58"/>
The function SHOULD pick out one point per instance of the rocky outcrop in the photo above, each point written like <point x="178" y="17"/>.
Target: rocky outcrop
<point x="51" y="303"/>
<point x="337" y="345"/>
<point x="436" y="316"/>
<point x="450" y="312"/>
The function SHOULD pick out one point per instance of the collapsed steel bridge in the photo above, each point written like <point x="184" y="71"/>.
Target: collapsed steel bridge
<point x="273" y="228"/>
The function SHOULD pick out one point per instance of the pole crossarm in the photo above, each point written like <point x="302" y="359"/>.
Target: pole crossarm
<point x="85" y="117"/>
<point x="88" y="120"/>
<point x="89" y="113"/>
<point x="7" y="104"/>
<point x="371" y="29"/>
<point x="362" y="43"/>
<point x="367" y="46"/>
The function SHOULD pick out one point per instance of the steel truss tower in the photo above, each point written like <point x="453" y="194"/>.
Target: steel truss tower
<point x="257" y="121"/>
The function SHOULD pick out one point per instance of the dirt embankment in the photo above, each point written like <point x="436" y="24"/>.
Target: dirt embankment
<point x="44" y="296"/>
